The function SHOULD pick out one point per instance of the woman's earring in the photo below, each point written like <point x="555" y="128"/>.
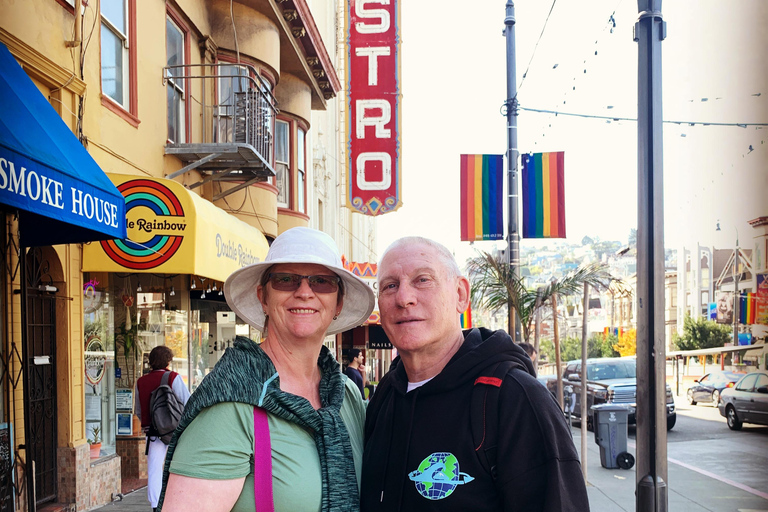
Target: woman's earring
<point x="336" y="317"/>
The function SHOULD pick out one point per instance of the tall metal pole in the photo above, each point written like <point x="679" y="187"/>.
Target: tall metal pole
<point x="583" y="398"/>
<point x="651" y="473"/>
<point x="736" y="295"/>
<point x="513" y="236"/>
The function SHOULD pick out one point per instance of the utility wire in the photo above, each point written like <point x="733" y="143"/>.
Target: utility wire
<point x="536" y="46"/>
<point x="614" y="118"/>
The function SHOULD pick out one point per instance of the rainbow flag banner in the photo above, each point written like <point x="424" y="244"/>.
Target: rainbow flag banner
<point x="543" y="195"/>
<point x="747" y="308"/>
<point x="466" y="318"/>
<point x="482" y="216"/>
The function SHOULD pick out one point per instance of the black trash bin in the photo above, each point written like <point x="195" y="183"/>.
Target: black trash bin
<point x="610" y="424"/>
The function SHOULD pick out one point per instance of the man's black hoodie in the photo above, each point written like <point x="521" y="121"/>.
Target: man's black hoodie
<point x="420" y="453"/>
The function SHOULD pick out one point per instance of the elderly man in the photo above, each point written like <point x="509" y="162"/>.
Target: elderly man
<point x="460" y="423"/>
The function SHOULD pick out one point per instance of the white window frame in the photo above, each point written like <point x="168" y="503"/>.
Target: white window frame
<point x="283" y="166"/>
<point x="177" y="85"/>
<point x="301" y="174"/>
<point x="106" y="23"/>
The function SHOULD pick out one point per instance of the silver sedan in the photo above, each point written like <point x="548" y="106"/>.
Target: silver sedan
<point x="747" y="401"/>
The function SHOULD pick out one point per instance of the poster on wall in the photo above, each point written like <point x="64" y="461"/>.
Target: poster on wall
<point x="724" y="302"/>
<point x="124" y="424"/>
<point x="712" y="311"/>
<point x="761" y="303"/>
<point x="373" y="118"/>
<point x="124" y="400"/>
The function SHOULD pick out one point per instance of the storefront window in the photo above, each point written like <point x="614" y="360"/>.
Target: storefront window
<point x="126" y="316"/>
<point x="99" y="363"/>
<point x="214" y="328"/>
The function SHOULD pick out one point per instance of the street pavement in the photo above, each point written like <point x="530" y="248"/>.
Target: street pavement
<point x="691" y="488"/>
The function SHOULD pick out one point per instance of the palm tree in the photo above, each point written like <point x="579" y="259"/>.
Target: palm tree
<point x="494" y="286"/>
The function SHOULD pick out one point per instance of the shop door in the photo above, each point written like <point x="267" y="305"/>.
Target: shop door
<point x="6" y="383"/>
<point x="40" y="381"/>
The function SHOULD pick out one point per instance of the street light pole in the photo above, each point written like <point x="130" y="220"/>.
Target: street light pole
<point x="513" y="236"/>
<point x="651" y="474"/>
<point x="737" y="294"/>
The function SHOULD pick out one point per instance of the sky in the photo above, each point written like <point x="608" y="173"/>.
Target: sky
<point x="453" y="79"/>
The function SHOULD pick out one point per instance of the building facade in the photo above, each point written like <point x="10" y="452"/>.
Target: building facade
<point x="220" y="125"/>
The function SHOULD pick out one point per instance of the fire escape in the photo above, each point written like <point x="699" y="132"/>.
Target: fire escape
<point x="235" y="141"/>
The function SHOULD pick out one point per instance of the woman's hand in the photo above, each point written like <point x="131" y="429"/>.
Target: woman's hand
<point x="184" y="493"/>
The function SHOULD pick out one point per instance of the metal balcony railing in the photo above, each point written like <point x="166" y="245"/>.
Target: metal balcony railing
<point x="234" y="139"/>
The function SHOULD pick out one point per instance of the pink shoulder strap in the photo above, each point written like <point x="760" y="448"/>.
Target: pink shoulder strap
<point x="262" y="462"/>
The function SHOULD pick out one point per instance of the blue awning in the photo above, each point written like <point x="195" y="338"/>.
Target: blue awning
<point x="61" y="193"/>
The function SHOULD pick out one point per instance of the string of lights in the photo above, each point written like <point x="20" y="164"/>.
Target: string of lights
<point x="535" y="47"/>
<point x="593" y="53"/>
<point x="615" y="118"/>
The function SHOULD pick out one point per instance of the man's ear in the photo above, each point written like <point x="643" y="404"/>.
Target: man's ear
<point x="463" y="294"/>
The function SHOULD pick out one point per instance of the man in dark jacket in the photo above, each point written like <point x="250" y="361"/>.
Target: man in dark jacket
<point x="420" y="451"/>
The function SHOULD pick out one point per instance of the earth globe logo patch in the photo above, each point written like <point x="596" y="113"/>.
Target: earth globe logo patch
<point x="438" y="476"/>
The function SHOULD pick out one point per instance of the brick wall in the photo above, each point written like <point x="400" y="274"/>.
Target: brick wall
<point x="133" y="460"/>
<point x="104" y="481"/>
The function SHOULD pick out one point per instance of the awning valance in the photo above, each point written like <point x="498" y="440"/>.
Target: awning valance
<point x="62" y="194"/>
<point x="174" y="231"/>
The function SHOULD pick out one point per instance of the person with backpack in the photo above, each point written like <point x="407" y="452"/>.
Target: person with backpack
<point x="160" y="397"/>
<point x="459" y="423"/>
<point x="276" y="425"/>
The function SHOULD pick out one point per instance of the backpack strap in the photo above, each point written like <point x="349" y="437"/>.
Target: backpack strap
<point x="262" y="462"/>
<point x="164" y="380"/>
<point x="484" y="411"/>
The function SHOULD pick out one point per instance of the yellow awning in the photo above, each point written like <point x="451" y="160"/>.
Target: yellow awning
<point x="172" y="230"/>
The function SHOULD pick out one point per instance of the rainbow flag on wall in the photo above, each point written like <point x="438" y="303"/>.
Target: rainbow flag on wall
<point x="482" y="216"/>
<point x="747" y="308"/>
<point x="543" y="195"/>
<point x="466" y="318"/>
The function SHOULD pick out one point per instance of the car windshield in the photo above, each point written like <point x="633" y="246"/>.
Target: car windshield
<point x="625" y="369"/>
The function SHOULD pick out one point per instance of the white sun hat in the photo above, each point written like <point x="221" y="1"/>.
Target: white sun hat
<point x="300" y="245"/>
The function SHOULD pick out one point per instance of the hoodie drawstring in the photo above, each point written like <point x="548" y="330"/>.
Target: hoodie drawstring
<point x="404" y="469"/>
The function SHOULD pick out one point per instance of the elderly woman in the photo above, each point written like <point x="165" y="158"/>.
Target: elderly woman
<point x="300" y="294"/>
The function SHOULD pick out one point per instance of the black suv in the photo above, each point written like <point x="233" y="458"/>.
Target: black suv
<point x="609" y="381"/>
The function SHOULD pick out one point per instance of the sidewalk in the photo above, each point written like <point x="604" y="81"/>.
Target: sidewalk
<point x="613" y="490"/>
<point x="610" y="490"/>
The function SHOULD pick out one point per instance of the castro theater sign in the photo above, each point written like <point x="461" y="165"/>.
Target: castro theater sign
<point x="373" y="106"/>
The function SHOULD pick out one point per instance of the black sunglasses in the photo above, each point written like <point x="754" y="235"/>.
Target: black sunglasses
<point x="286" y="282"/>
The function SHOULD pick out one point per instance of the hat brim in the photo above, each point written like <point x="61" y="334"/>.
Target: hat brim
<point x="240" y="292"/>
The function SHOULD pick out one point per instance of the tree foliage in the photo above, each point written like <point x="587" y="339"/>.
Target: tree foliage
<point x="701" y="333"/>
<point x="570" y="348"/>
<point x="494" y="285"/>
<point x="627" y="345"/>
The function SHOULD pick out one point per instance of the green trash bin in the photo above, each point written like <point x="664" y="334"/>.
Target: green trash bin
<point x="610" y="424"/>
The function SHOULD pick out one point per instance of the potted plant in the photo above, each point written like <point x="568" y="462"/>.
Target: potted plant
<point x="95" y="442"/>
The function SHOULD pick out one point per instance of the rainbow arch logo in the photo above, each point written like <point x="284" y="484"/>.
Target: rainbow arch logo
<point x="154" y="217"/>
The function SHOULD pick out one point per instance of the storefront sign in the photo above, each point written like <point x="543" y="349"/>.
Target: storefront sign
<point x="45" y="170"/>
<point x="95" y="360"/>
<point x="373" y="106"/>
<point x="368" y="272"/>
<point x="175" y="231"/>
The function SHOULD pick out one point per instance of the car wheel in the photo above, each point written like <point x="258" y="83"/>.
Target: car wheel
<point x="691" y="401"/>
<point x="671" y="420"/>
<point x="715" y="397"/>
<point x="733" y="421"/>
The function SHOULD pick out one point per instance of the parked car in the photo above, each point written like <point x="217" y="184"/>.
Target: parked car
<point x="747" y="401"/>
<point x="709" y="387"/>
<point x="609" y="381"/>
<point x="544" y="379"/>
